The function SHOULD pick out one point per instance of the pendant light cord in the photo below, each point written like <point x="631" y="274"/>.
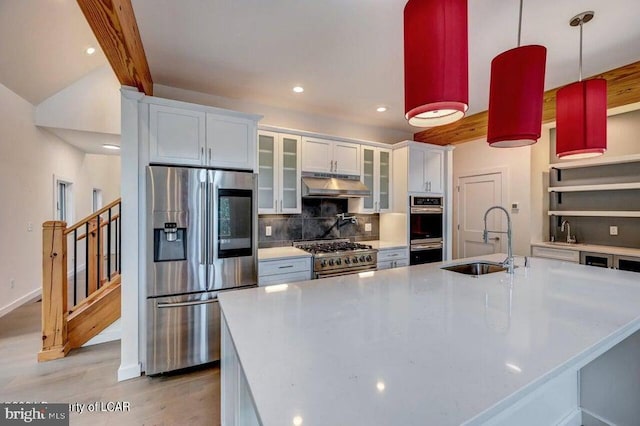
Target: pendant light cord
<point x="520" y="24"/>
<point x="580" y="66"/>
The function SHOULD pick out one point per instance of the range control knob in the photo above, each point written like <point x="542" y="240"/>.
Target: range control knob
<point x="355" y="259"/>
<point x="330" y="262"/>
<point x="362" y="259"/>
<point x="323" y="263"/>
<point x="347" y="261"/>
<point x="369" y="258"/>
<point x="338" y="261"/>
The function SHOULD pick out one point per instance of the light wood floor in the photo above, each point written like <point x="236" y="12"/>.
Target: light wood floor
<point x="89" y="374"/>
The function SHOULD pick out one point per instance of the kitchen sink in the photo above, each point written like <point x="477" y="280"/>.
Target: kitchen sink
<point x="476" y="268"/>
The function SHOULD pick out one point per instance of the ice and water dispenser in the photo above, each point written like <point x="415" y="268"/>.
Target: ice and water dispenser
<point x="169" y="243"/>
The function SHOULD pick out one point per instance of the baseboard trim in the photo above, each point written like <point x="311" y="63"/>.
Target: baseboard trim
<point x="572" y="419"/>
<point x="126" y="372"/>
<point x="29" y="297"/>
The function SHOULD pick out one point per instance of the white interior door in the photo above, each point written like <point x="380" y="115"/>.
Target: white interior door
<point x="476" y="194"/>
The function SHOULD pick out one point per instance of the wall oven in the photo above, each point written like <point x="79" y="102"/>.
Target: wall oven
<point x="425" y="229"/>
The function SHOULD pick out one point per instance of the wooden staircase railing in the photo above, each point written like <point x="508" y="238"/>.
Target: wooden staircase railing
<point x="94" y="305"/>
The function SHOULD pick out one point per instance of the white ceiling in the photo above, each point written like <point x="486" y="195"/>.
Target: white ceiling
<point x="348" y="54"/>
<point x="89" y="142"/>
<point x="42" y="47"/>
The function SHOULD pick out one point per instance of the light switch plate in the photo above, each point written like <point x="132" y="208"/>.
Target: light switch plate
<point x="267" y="231"/>
<point x="367" y="227"/>
<point x="613" y="230"/>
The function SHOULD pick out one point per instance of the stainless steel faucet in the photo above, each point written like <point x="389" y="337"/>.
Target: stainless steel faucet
<point x="508" y="262"/>
<point x="570" y="238"/>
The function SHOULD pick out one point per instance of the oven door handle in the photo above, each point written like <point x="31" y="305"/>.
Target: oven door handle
<point x="422" y="247"/>
<point x="426" y="210"/>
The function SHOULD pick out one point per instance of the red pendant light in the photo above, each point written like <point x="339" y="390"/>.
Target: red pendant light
<point x="516" y="93"/>
<point x="581" y="112"/>
<point x="436" y="85"/>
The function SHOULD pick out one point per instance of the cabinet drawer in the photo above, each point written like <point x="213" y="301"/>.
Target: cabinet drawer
<point x="390" y="264"/>
<point x="284" y="278"/>
<point x="395" y="254"/>
<point x="284" y="266"/>
<point x="554" y="253"/>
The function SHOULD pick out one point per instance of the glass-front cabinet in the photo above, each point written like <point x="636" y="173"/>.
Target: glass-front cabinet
<point x="376" y="175"/>
<point x="279" y="177"/>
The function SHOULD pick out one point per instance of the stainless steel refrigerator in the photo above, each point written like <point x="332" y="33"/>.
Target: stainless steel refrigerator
<point x="201" y="240"/>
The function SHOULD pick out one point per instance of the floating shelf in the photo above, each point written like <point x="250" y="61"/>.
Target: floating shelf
<point x="599" y="187"/>
<point x="592" y="213"/>
<point x="602" y="161"/>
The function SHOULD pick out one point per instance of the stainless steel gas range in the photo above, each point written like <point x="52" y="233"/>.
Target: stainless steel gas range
<point x="332" y="258"/>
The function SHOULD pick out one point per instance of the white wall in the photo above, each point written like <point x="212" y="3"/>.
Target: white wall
<point x="29" y="159"/>
<point x="90" y="104"/>
<point x="290" y="119"/>
<point x="475" y="157"/>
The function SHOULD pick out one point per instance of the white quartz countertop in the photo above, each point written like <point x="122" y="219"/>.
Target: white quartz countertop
<point x="281" y="253"/>
<point x="385" y="245"/>
<point x="421" y="345"/>
<point x="621" y="251"/>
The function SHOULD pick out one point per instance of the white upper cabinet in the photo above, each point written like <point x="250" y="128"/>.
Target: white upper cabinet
<point x="376" y="175"/>
<point x="230" y="142"/>
<point x="325" y="156"/>
<point x="346" y="158"/>
<point x="279" y="173"/>
<point x="317" y="155"/>
<point x="177" y="136"/>
<point x="426" y="169"/>
<point x="195" y="135"/>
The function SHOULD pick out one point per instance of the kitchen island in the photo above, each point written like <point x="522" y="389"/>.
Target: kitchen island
<point x="422" y="346"/>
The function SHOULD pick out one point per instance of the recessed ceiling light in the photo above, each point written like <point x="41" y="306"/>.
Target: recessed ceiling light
<point x="110" y="146"/>
<point x="91" y="50"/>
<point x="381" y="109"/>
<point x="298" y="89"/>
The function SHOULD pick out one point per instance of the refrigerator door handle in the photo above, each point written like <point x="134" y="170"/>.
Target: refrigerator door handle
<point x="183" y="304"/>
<point x="212" y="207"/>
<point x="203" y="209"/>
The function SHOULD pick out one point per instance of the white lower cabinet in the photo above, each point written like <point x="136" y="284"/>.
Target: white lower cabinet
<point x="556" y="253"/>
<point x="392" y="258"/>
<point x="280" y="271"/>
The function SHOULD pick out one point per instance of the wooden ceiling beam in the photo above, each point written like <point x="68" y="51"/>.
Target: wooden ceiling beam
<point x="114" y="25"/>
<point x="623" y="88"/>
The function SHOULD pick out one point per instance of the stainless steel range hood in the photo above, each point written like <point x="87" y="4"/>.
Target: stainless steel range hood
<point x="333" y="186"/>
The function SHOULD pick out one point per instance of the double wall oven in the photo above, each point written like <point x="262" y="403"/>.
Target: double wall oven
<point x="425" y="229"/>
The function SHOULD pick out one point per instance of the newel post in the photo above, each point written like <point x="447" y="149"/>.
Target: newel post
<point x="55" y="343"/>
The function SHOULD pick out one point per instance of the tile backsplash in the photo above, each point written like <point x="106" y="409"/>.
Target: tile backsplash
<point x="318" y="221"/>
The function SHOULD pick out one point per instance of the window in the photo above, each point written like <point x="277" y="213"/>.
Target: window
<point x="63" y="200"/>
<point x="97" y="199"/>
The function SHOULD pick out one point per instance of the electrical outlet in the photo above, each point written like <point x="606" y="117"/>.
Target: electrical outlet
<point x="613" y="230"/>
<point x="267" y="231"/>
<point x="30" y="227"/>
<point x="12" y="283"/>
<point x="367" y="227"/>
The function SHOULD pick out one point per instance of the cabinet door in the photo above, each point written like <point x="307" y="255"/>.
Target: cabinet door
<point x="417" y="162"/>
<point x="384" y="180"/>
<point x="346" y="158"/>
<point x="317" y="155"/>
<point x="230" y="142"/>
<point x="434" y="165"/>
<point x="267" y="172"/>
<point x="369" y="179"/>
<point x="290" y="174"/>
<point x="176" y="136"/>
